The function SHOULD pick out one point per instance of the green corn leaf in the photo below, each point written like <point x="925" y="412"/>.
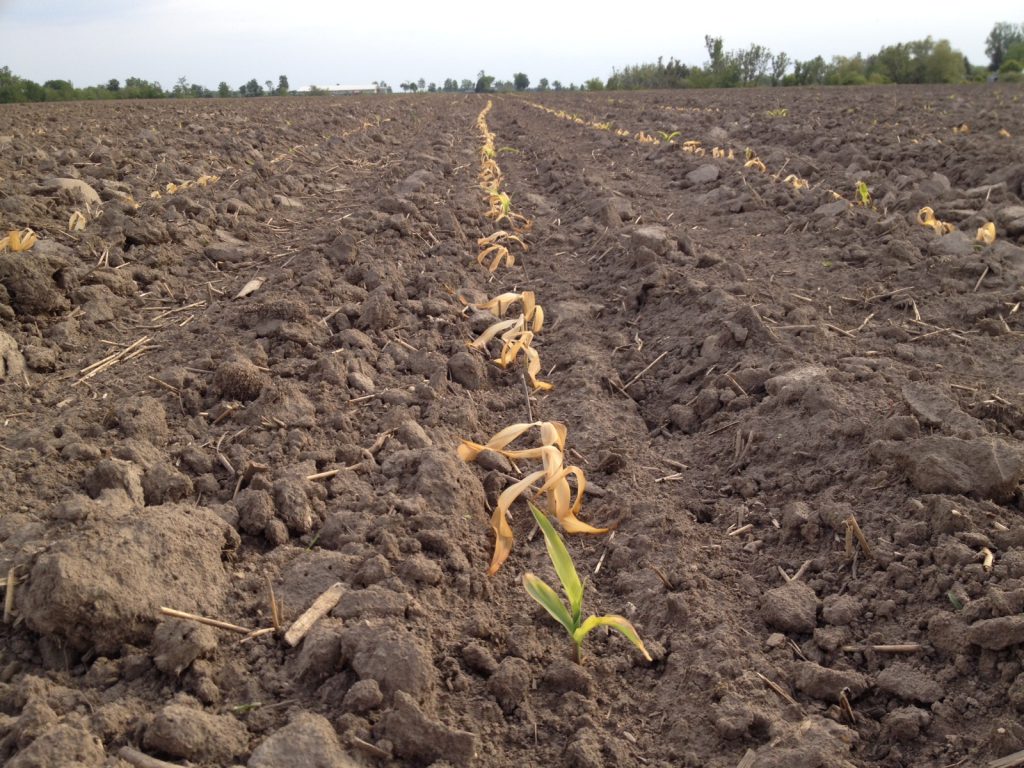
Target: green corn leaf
<point x="618" y="623"/>
<point x="546" y="596"/>
<point x="563" y="564"/>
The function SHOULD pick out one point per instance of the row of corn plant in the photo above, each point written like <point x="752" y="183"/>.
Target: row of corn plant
<point x="550" y="477"/>
<point x="986" y="234"/>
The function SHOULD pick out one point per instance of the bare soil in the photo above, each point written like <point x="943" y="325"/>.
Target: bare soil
<point x="749" y="373"/>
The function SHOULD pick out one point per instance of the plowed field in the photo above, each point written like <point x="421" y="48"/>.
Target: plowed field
<point x="799" y="410"/>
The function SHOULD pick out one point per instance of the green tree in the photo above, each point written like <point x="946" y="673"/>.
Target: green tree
<point x="466" y="85"/>
<point x="543" y="84"/>
<point x="484" y="82"/>
<point x="594" y="84"/>
<point x="557" y="85"/>
<point x="223" y="90"/>
<point x="997" y="44"/>
<point x="282" y="85"/>
<point x="252" y="88"/>
<point x="520" y="81"/>
<point x="113" y="85"/>
<point x="432" y="87"/>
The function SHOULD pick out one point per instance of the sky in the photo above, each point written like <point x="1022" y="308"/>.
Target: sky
<point x="319" y="42"/>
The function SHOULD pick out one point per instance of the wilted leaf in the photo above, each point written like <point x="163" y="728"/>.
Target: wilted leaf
<point x="251" y="287"/>
<point x="18" y="240"/>
<point x="1004" y="133"/>
<point x="986" y="233"/>
<point x="926" y="218"/>
<point x="76" y="222"/>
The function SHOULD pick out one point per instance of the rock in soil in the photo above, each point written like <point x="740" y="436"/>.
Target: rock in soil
<point x="416" y="736"/>
<point x="308" y="741"/>
<point x="192" y="734"/>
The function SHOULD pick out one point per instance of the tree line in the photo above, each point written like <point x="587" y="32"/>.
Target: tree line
<point x="19" y="89"/>
<point x="918" y="61"/>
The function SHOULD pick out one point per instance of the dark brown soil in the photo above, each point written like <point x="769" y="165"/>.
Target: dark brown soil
<point x="745" y="369"/>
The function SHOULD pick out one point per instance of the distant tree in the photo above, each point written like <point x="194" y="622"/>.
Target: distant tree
<point x="252" y="88"/>
<point x="282" y="85"/>
<point x="466" y="85"/>
<point x="137" y="88"/>
<point x="223" y="90"/>
<point x="404" y="87"/>
<point x="520" y="81"/>
<point x="450" y="85"/>
<point x="557" y="85"/>
<point x="484" y="82"/>
<point x="432" y="87"/>
<point x="59" y="90"/>
<point x="594" y="84"/>
<point x="181" y="88"/>
<point x="421" y="84"/>
<point x="113" y="85"/>
<point x="542" y="84"/>
<point x="780" y="64"/>
<point x="997" y="44"/>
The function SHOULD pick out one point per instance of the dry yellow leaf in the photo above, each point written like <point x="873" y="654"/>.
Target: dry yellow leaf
<point x="926" y="218"/>
<point x="756" y="164"/>
<point x="986" y="233"/>
<point x="553" y="480"/>
<point x="962" y="128"/>
<point x="796" y="182"/>
<point x="18" y="240"/>
<point x="76" y="222"/>
<point x="1004" y="133"/>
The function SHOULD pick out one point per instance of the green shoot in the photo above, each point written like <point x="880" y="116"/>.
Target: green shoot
<point x="668" y="137"/>
<point x="570" y="618"/>
<point x="863" y="194"/>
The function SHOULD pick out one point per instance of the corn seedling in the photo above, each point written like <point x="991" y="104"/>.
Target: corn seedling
<point x="516" y="334"/>
<point x="986" y="233"/>
<point x="645" y="138"/>
<point x="553" y="480"/>
<point x="501" y="250"/>
<point x="18" y="240"/>
<point x="499" y="305"/>
<point x="777" y="112"/>
<point x="926" y="218"/>
<point x="571" y="618"/>
<point x="669" y="137"/>
<point x="756" y="164"/>
<point x="796" y="182"/>
<point x="863" y="194"/>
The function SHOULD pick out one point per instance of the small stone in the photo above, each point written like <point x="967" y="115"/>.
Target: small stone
<point x="825" y="683"/>
<point x="793" y="607"/>
<point x="466" y="369"/>
<point x="905" y="682"/>
<point x="510" y="683"/>
<point x="176" y="644"/>
<point x="479" y="658"/>
<point x="417" y="737"/>
<point x="413" y="435"/>
<point x="276" y="533"/>
<point x="841" y="610"/>
<point x="905" y="724"/>
<point x="192" y="734"/>
<point x="308" y="741"/>
<point x="363" y="696"/>
<point x="704" y="174"/>
<point x="997" y="634"/>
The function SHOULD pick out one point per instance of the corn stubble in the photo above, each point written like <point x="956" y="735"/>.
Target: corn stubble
<point x="18" y="240"/>
<point x="552" y="479"/>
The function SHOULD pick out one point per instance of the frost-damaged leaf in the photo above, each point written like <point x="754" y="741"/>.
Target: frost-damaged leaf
<point x="251" y="287"/>
<point x="76" y="222"/>
<point x="756" y="164"/>
<point x="926" y="218"/>
<point x="618" y="623"/>
<point x="500" y="252"/>
<point x="18" y="240"/>
<point x="553" y="480"/>
<point x="1004" y="133"/>
<point x="986" y="233"/>
<point x="796" y="182"/>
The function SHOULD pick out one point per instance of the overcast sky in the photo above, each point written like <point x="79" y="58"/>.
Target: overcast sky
<point x="310" y="41"/>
